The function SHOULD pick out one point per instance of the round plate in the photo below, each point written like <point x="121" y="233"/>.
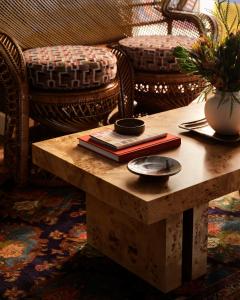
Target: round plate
<point x="154" y="165"/>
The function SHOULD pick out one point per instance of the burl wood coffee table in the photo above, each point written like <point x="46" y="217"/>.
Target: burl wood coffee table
<point x="156" y="230"/>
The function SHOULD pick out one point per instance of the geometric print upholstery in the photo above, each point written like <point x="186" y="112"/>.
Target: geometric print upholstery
<point x="154" y="53"/>
<point x="70" y="67"/>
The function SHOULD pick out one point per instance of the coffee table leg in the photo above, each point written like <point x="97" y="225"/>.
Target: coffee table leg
<point x="153" y="252"/>
<point x="195" y="234"/>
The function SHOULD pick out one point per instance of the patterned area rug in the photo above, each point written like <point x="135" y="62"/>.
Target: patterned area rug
<point x="44" y="255"/>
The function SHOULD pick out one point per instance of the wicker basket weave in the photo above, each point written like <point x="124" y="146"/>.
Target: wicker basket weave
<point x="156" y="93"/>
<point x="72" y="112"/>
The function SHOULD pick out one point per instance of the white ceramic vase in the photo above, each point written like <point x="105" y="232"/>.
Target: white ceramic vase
<point x="223" y="112"/>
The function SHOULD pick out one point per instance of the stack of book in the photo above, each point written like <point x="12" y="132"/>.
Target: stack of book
<point x="123" y="148"/>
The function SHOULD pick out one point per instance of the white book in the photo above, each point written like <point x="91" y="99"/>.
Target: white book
<point x="110" y="138"/>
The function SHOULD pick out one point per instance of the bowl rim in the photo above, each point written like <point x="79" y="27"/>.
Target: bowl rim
<point x="141" y="173"/>
<point x="141" y="123"/>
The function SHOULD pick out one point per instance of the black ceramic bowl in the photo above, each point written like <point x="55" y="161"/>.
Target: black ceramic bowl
<point x="129" y="126"/>
<point x="154" y="166"/>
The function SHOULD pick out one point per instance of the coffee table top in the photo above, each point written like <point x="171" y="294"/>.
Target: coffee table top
<point x="209" y="169"/>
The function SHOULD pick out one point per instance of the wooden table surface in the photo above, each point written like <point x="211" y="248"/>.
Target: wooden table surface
<point x="209" y="169"/>
<point x="125" y="214"/>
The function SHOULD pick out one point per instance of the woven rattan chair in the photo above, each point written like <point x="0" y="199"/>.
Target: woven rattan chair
<point x="25" y="25"/>
<point x="159" y="84"/>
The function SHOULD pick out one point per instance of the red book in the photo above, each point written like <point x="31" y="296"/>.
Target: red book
<point x="126" y="154"/>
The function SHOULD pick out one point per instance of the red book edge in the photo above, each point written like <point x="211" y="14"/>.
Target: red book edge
<point x="126" y="154"/>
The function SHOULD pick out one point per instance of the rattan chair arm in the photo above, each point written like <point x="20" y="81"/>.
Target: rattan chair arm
<point x="14" y="51"/>
<point x="15" y="97"/>
<point x="126" y="79"/>
<point x="205" y="24"/>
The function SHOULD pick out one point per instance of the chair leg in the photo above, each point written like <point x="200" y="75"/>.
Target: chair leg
<point x="16" y="136"/>
<point x="15" y="102"/>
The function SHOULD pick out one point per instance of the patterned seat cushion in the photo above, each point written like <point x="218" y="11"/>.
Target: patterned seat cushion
<point x="70" y="67"/>
<point x="154" y="53"/>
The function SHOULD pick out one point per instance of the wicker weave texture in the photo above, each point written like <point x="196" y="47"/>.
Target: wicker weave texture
<point x="155" y="93"/>
<point x="14" y="88"/>
<point x="72" y="112"/>
<point x="37" y="23"/>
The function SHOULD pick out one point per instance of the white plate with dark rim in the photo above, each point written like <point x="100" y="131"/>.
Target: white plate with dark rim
<point x="154" y="165"/>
